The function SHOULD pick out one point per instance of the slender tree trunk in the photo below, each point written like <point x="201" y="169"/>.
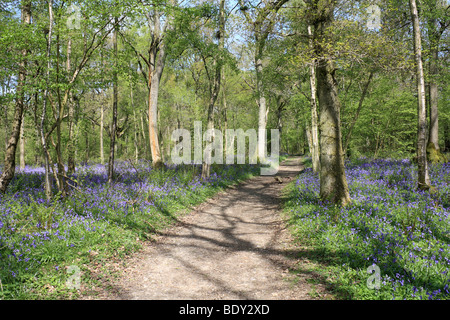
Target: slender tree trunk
<point x="280" y="107"/>
<point x="215" y="88"/>
<point x="309" y="137"/>
<point x="45" y="153"/>
<point x="262" y="103"/>
<point x="136" y="134"/>
<point x="446" y="136"/>
<point x="333" y="182"/>
<point x="114" y="109"/>
<point x="61" y="175"/>
<point x="71" y="142"/>
<point x="22" y="143"/>
<point x="6" y="123"/>
<point x="224" y="108"/>
<point x="314" y="117"/>
<point x="358" y="111"/>
<point x="102" y="124"/>
<point x="136" y="137"/>
<point x="434" y="115"/>
<point x="144" y="137"/>
<point x="10" y="154"/>
<point x="263" y="24"/>
<point x="422" y="132"/>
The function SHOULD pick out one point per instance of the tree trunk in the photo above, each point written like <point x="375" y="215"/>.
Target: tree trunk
<point x="422" y="132"/>
<point x="10" y="154"/>
<point x="262" y="119"/>
<point x="156" y="67"/>
<point x="102" y="124"/>
<point x="71" y="142"/>
<point x="333" y="182"/>
<point x="22" y="143"/>
<point x="136" y="131"/>
<point x="433" y="89"/>
<point x="314" y="117"/>
<point x="447" y="136"/>
<point x="224" y="108"/>
<point x="361" y="100"/>
<point x="309" y="138"/>
<point x="144" y="137"/>
<point x="61" y="175"/>
<point x="215" y="88"/>
<point x="6" y="123"/>
<point x="114" y="109"/>
<point x="45" y="153"/>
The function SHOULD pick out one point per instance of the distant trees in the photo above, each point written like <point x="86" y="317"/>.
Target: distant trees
<point x="83" y="75"/>
<point x="261" y="19"/>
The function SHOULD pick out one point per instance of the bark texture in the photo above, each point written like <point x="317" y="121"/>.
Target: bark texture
<point x="422" y="130"/>
<point x="215" y="88"/>
<point x="314" y="116"/>
<point x="333" y="182"/>
<point x="10" y="155"/>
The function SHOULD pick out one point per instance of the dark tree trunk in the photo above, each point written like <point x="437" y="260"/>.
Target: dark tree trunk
<point x="10" y="155"/>
<point x="114" y="111"/>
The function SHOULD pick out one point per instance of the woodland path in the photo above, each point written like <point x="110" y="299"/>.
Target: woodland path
<point x="235" y="246"/>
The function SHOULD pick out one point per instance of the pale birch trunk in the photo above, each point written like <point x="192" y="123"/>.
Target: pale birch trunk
<point x="314" y="117"/>
<point x="71" y="142"/>
<point x="102" y="123"/>
<point x="47" y="181"/>
<point x="422" y="131"/>
<point x="22" y="144"/>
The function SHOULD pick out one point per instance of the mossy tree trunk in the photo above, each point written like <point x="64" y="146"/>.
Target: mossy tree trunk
<point x="333" y="182"/>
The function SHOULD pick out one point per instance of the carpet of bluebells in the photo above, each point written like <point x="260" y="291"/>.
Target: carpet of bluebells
<point x="392" y="242"/>
<point x="39" y="240"/>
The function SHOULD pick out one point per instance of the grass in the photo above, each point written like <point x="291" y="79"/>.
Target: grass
<point x="390" y="227"/>
<point x="59" y="250"/>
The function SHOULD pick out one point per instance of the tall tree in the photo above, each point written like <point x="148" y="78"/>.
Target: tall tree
<point x="41" y="119"/>
<point x="333" y="182"/>
<point x="262" y="24"/>
<point x="214" y="85"/>
<point x="422" y="130"/>
<point x="155" y="60"/>
<point x="437" y="21"/>
<point x="10" y="157"/>
<point x="314" y="117"/>
<point x="113" y="131"/>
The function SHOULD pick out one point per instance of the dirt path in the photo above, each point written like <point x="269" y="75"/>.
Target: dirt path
<point x="233" y="247"/>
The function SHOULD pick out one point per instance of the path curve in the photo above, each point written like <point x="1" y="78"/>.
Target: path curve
<point x="235" y="246"/>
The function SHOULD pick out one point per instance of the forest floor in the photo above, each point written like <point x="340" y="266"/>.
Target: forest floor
<point x="235" y="246"/>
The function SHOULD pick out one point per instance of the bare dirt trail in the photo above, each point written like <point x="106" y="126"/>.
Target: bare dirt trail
<point x="235" y="246"/>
